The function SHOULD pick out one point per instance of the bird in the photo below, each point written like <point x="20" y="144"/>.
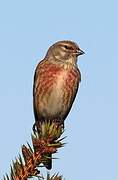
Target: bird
<point x="56" y="82"/>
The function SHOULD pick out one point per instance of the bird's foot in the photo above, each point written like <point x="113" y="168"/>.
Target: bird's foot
<point x="59" y="125"/>
<point x="36" y="127"/>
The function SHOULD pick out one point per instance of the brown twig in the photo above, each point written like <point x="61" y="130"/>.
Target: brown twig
<point x="46" y="140"/>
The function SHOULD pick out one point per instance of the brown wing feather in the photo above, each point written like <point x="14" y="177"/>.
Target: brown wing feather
<point x="37" y="74"/>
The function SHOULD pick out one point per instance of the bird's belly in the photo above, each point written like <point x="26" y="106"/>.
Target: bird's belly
<point x="55" y="101"/>
<point x="51" y="104"/>
<point x="56" y="98"/>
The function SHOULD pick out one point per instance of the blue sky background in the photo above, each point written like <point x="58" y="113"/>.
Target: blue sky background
<point x="27" y="29"/>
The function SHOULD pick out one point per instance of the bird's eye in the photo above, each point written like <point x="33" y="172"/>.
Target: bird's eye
<point x="69" y="47"/>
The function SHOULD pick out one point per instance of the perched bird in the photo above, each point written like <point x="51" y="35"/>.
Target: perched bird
<point x="56" y="82"/>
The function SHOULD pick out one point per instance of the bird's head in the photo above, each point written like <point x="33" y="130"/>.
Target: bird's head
<point x="65" y="51"/>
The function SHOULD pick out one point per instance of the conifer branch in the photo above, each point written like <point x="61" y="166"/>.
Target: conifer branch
<point x="45" y="140"/>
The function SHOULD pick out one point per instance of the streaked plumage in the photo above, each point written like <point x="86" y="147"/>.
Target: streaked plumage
<point x="56" y="82"/>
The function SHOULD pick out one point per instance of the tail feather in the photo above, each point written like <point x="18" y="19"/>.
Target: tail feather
<point x="48" y="161"/>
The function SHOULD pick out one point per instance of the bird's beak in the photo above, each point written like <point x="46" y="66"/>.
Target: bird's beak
<point x="80" y="52"/>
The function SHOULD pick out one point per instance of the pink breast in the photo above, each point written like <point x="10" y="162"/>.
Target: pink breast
<point x="49" y="75"/>
<point x="71" y="79"/>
